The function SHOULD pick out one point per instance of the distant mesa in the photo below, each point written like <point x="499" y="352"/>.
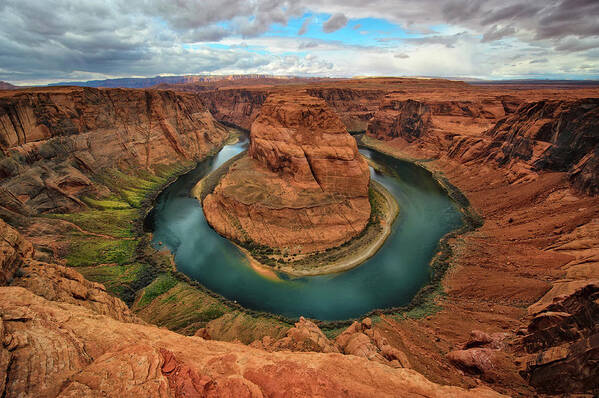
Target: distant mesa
<point x="7" y="86"/>
<point x="158" y="81"/>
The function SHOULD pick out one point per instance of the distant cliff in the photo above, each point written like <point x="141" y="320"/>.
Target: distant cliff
<point x="544" y="135"/>
<point x="56" y="141"/>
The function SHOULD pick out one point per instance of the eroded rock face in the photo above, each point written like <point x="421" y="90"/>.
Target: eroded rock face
<point x="235" y="106"/>
<point x="362" y="340"/>
<point x="63" y="336"/>
<point x="303" y="141"/>
<point x="13" y="250"/>
<point x="395" y="118"/>
<point x="304" y="185"/>
<point x="414" y="120"/>
<point x="563" y="335"/>
<point x="70" y="351"/>
<point x="304" y="337"/>
<point x="62" y="138"/>
<point x="544" y="135"/>
<point x="479" y="355"/>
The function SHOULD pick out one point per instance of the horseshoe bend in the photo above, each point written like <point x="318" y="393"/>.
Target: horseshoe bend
<point x="302" y="188"/>
<point x="252" y="236"/>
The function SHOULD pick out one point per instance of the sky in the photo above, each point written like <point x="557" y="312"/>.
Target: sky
<point x="46" y="41"/>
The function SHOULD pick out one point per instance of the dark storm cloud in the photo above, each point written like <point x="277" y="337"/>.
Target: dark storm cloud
<point x="575" y="45"/>
<point x="511" y="13"/>
<point x="336" y="22"/>
<point x="448" y="41"/>
<point x="496" y="33"/>
<point x="531" y="20"/>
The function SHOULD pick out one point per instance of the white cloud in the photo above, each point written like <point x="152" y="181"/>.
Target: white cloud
<point x="68" y="40"/>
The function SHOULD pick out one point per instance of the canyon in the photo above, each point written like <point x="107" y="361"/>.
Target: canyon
<point x="82" y="292"/>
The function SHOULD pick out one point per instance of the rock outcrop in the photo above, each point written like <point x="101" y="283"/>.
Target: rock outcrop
<point x="563" y="335"/>
<point x="560" y="136"/>
<point x="56" y="141"/>
<point x="305" y="336"/>
<point x="362" y="340"/>
<point x="72" y="352"/>
<point x="303" y="187"/>
<point x="13" y="249"/>
<point x="395" y="118"/>
<point x="479" y="354"/>
<point x="62" y="336"/>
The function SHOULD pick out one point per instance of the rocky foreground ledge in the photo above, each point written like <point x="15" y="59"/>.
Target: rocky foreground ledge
<point x="62" y="336"/>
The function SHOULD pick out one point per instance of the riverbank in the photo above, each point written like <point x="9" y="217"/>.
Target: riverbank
<point x="498" y="276"/>
<point x="384" y="210"/>
<point x="355" y="252"/>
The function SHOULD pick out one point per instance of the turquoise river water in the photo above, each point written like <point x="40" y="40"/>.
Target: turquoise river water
<point x="388" y="279"/>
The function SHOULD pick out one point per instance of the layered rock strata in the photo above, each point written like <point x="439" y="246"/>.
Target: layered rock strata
<point x="303" y="186"/>
<point x="56" y="141"/>
<point x="560" y="136"/>
<point x="408" y="119"/>
<point x="61" y="336"/>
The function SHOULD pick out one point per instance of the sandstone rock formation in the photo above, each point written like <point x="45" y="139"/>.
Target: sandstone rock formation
<point x="563" y="333"/>
<point x="304" y="185"/>
<point x="529" y="273"/>
<point x="479" y="354"/>
<point x="546" y="135"/>
<point x="13" y="249"/>
<point x="362" y="340"/>
<point x="354" y="105"/>
<point x="304" y="337"/>
<point x="56" y="341"/>
<point x="239" y="107"/>
<point x="408" y="119"/>
<point x="56" y="141"/>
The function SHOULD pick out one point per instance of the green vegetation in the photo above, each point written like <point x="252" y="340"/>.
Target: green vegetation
<point x="122" y="281"/>
<point x="108" y="203"/>
<point x="333" y="333"/>
<point x="109" y="246"/>
<point x="178" y="305"/>
<point x="428" y="306"/>
<point x="110" y="222"/>
<point x="89" y="251"/>
<point x="159" y="286"/>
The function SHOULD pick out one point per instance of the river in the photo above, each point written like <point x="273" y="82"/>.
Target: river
<point x="390" y="278"/>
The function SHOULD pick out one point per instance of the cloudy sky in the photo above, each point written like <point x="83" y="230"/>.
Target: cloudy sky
<point x="44" y="41"/>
